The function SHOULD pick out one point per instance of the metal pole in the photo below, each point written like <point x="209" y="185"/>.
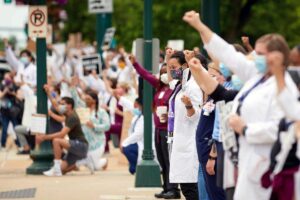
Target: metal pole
<point x="148" y="172"/>
<point x="103" y="21"/>
<point x="43" y="157"/>
<point x="210" y="11"/>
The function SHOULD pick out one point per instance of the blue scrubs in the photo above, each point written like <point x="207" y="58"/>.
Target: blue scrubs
<point x="203" y="136"/>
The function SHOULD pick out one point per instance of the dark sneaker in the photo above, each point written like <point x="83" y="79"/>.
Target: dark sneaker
<point x="160" y="195"/>
<point x="23" y="152"/>
<point x="171" y="195"/>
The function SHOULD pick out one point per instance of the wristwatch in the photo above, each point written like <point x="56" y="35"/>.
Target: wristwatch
<point x="211" y="157"/>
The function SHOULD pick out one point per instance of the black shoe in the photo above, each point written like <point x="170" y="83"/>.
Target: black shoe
<point x="160" y="195"/>
<point x="171" y="195"/>
<point x="23" y="152"/>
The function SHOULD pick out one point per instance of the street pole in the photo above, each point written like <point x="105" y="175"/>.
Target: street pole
<point x="103" y="21"/>
<point x="210" y="11"/>
<point x="148" y="172"/>
<point x="42" y="157"/>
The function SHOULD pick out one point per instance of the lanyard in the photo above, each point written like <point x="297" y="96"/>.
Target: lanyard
<point x="243" y="97"/>
<point x="171" y="115"/>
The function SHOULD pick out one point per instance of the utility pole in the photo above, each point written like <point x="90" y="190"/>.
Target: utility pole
<point x="148" y="172"/>
<point x="210" y="11"/>
<point x="103" y="21"/>
<point x="42" y="157"/>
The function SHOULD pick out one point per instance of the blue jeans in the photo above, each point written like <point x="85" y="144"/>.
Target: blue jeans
<point x="201" y="185"/>
<point x="131" y="153"/>
<point x="5" y="122"/>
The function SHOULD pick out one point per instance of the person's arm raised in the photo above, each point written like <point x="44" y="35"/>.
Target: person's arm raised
<point x="221" y="50"/>
<point x="201" y="76"/>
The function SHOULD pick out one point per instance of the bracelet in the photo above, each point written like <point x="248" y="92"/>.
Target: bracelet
<point x="189" y="107"/>
<point x="211" y="157"/>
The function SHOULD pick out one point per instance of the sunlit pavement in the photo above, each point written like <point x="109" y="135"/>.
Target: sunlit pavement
<point x="113" y="184"/>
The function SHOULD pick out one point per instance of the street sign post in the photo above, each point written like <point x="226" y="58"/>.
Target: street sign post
<point x="37" y="21"/>
<point x="148" y="172"/>
<point x="42" y="157"/>
<point x="100" y="6"/>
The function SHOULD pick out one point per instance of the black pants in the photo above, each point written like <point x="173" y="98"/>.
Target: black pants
<point x="163" y="159"/>
<point x="190" y="190"/>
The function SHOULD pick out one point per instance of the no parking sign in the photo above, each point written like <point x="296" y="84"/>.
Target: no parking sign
<point x="37" y="21"/>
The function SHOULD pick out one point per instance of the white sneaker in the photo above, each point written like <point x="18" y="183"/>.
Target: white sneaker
<point x="52" y="172"/>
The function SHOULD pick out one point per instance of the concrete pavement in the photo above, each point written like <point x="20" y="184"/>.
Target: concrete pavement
<point x="113" y="184"/>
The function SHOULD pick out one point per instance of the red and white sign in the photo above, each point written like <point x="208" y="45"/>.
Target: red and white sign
<point x="37" y="22"/>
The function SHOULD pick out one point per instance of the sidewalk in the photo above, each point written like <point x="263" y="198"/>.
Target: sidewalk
<point x="113" y="184"/>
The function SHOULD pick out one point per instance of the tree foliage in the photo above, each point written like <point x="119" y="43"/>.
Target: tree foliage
<point x="237" y="18"/>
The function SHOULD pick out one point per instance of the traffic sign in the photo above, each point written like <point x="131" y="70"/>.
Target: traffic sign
<point x="100" y="6"/>
<point x="37" y="22"/>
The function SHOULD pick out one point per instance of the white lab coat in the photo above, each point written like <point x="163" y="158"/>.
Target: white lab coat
<point x="260" y="111"/>
<point x="136" y="135"/>
<point x="27" y="73"/>
<point x="184" y="162"/>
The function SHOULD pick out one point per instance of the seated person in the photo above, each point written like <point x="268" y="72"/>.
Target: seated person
<point x="77" y="146"/>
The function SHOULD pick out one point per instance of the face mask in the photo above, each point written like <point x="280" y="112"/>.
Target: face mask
<point x="225" y="71"/>
<point x="24" y="60"/>
<point x="237" y="84"/>
<point x="53" y="94"/>
<point x="164" y="78"/>
<point x="62" y="109"/>
<point x="7" y="82"/>
<point x="176" y="74"/>
<point x="136" y="112"/>
<point x="122" y="65"/>
<point x="172" y="84"/>
<point x="113" y="68"/>
<point x="260" y="63"/>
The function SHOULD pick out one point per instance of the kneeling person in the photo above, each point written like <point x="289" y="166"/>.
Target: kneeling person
<point x="76" y="147"/>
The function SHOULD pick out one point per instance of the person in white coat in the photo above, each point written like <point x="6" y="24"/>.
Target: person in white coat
<point x="183" y="118"/>
<point x="133" y="145"/>
<point x="24" y="67"/>
<point x="257" y="111"/>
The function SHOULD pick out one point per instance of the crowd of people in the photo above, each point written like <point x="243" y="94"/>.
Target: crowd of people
<point x="226" y="125"/>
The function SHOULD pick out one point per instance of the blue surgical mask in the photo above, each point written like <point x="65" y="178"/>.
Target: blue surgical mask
<point x="237" y="84"/>
<point x="136" y="112"/>
<point x="24" y="60"/>
<point x="225" y="71"/>
<point x="176" y="73"/>
<point x="260" y="63"/>
<point x="53" y="94"/>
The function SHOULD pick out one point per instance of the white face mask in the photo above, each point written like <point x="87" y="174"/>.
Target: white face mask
<point x="164" y="78"/>
<point x="62" y="109"/>
<point x="172" y="84"/>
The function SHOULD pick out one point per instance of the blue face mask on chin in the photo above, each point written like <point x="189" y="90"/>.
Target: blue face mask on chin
<point x="225" y="71"/>
<point x="260" y="63"/>
<point x="136" y="112"/>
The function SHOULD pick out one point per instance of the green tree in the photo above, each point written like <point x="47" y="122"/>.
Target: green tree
<point x="238" y="17"/>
